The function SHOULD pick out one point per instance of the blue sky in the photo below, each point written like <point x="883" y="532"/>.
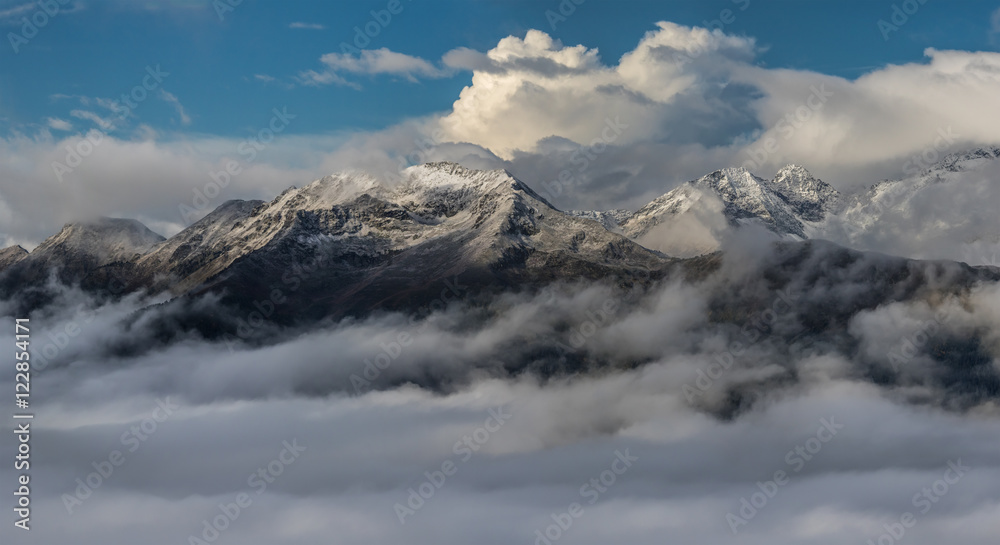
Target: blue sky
<point x="102" y="48"/>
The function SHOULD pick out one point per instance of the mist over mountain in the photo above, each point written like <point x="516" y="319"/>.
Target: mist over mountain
<point x="473" y="243"/>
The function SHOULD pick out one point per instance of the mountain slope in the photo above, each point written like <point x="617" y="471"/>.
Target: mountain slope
<point x="198" y="252"/>
<point x="378" y="246"/>
<point x="744" y="197"/>
<point x="690" y="219"/>
<point x="810" y="198"/>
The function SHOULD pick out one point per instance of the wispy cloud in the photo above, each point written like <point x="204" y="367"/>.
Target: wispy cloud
<point x="13" y="15"/>
<point x="371" y="62"/>
<point x="59" y="124"/>
<point x="171" y="99"/>
<point x="263" y="77"/>
<point x="92" y="117"/>
<point x="85" y="100"/>
<point x="73" y="8"/>
<point x="307" y="26"/>
<point x="326" y="77"/>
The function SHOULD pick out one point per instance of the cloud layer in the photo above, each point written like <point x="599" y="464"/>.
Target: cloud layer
<point x="868" y="444"/>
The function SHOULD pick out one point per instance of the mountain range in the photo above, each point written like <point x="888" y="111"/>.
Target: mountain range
<point x="387" y="244"/>
<point x="487" y="219"/>
<point x="690" y="219"/>
<point x="348" y="246"/>
<point x="387" y="241"/>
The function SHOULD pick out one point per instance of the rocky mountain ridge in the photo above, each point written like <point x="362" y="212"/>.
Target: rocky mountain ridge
<point x="391" y="243"/>
<point x="386" y="241"/>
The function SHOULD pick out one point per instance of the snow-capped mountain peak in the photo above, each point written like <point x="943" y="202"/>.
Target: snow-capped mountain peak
<point x="748" y="197"/>
<point x="735" y="183"/>
<point x="697" y="211"/>
<point x="811" y="198"/>
<point x="331" y="190"/>
<point x="448" y="177"/>
<point x="441" y="216"/>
